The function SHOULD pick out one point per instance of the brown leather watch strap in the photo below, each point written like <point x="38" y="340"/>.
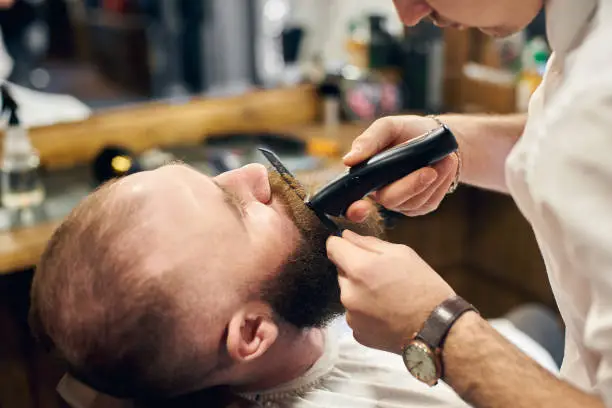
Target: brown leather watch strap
<point x="440" y="321"/>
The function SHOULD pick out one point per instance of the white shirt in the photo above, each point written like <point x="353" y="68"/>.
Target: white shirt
<point x="351" y="375"/>
<point x="560" y="174"/>
<point x="346" y="375"/>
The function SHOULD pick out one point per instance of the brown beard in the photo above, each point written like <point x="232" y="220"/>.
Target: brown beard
<point x="305" y="293"/>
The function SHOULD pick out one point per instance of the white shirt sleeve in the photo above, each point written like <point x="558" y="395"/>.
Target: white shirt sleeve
<point x="573" y="192"/>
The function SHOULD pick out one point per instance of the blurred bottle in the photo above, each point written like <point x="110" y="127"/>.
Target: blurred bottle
<point x="272" y="17"/>
<point x="314" y="70"/>
<point x="371" y="89"/>
<point x="21" y="185"/>
<point x="381" y="43"/>
<point x="292" y="39"/>
<point x="171" y="75"/>
<point x="357" y="44"/>
<point x="384" y="60"/>
<point x="329" y="91"/>
<point x="422" y="54"/>
<point x="534" y="59"/>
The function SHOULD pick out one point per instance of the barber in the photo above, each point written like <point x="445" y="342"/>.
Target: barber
<point x="556" y="162"/>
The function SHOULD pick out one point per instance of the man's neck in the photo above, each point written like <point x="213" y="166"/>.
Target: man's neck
<point x="293" y="355"/>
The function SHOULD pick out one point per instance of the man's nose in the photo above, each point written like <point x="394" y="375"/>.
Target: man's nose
<point x="412" y="11"/>
<point x="250" y="182"/>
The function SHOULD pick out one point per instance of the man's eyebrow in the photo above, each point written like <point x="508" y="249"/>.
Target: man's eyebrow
<point x="232" y="200"/>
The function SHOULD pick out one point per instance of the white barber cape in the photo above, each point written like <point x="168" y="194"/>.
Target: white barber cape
<point x="351" y="375"/>
<point x="560" y="174"/>
<point x="347" y="375"/>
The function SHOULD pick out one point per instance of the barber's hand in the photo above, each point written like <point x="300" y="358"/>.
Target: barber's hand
<point x="419" y="192"/>
<point x="387" y="289"/>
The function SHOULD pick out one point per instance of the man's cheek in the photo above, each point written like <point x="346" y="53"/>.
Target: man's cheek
<point x="270" y="225"/>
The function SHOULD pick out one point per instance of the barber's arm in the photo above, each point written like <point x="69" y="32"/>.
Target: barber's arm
<point x="389" y="291"/>
<point x="484" y="143"/>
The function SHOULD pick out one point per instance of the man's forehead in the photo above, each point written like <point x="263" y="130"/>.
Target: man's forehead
<point x="167" y="177"/>
<point x="181" y="188"/>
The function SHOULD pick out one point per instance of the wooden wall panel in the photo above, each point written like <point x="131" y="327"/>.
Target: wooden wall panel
<point x="159" y="124"/>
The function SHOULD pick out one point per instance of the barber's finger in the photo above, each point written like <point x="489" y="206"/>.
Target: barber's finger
<point x="368" y="243"/>
<point x="425" y="180"/>
<point x="448" y="165"/>
<point x="428" y="204"/>
<point x="382" y="133"/>
<point x="402" y="190"/>
<point x="418" y="201"/>
<point x="345" y="255"/>
<point x="359" y="210"/>
<point x="444" y="169"/>
<point x="440" y="192"/>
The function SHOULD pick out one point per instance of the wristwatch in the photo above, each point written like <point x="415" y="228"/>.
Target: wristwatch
<point x="423" y="353"/>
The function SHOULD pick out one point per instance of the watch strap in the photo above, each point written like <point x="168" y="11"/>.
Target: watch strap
<point x="440" y="321"/>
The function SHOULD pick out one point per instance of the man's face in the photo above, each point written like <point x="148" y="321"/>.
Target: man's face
<point x="495" y="17"/>
<point x="244" y="234"/>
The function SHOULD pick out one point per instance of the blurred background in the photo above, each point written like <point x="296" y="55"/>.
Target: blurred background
<point x="97" y="89"/>
<point x="113" y="52"/>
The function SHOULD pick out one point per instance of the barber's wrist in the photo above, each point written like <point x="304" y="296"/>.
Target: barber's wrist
<point x="458" y="156"/>
<point x="462" y="339"/>
<point x="423" y="354"/>
<point x="466" y="129"/>
<point x="464" y="327"/>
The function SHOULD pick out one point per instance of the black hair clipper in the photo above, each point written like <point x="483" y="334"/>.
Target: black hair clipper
<point x="383" y="169"/>
<point x="376" y="172"/>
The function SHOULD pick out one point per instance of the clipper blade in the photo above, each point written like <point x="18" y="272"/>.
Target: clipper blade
<point x="298" y="188"/>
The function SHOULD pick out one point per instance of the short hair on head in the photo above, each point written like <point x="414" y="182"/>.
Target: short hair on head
<point x="114" y="326"/>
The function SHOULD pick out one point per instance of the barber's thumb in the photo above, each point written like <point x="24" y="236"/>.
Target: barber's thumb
<point x="360" y="150"/>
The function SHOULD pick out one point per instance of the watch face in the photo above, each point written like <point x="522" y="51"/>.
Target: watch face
<point x="421" y="362"/>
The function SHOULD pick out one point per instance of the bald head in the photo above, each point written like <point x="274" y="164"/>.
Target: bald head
<point x="108" y="302"/>
<point x="135" y="286"/>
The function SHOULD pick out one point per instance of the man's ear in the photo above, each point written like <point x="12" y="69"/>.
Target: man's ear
<point x="251" y="332"/>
